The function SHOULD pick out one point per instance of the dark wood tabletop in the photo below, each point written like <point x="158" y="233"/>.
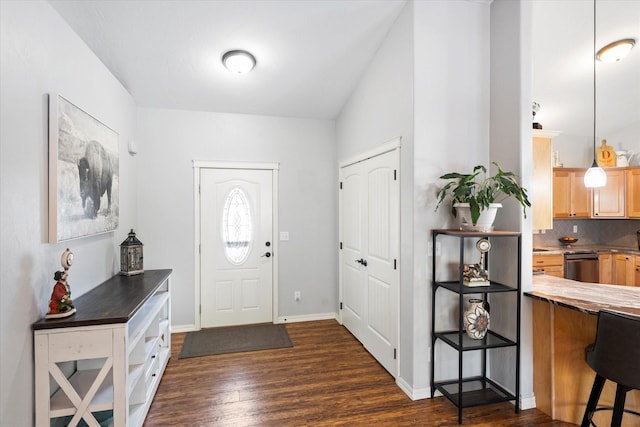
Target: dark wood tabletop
<point x="114" y="301"/>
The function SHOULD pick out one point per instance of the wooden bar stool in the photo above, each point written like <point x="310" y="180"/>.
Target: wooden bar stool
<point x="615" y="356"/>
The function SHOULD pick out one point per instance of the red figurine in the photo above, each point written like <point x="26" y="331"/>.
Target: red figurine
<point x="60" y="304"/>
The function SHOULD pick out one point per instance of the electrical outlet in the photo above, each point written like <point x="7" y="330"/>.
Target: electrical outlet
<point x="575" y="228"/>
<point x="296" y="295"/>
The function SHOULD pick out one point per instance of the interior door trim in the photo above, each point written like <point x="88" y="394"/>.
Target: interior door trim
<point x="381" y="149"/>
<point x="391" y="145"/>
<point x="221" y="164"/>
<point x="217" y="164"/>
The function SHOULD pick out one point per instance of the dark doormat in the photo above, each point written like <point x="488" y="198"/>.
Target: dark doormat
<point x="234" y="339"/>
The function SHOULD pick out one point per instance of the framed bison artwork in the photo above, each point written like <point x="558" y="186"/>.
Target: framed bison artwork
<point x="83" y="173"/>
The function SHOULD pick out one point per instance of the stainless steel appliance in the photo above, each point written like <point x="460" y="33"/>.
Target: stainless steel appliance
<point x="582" y="266"/>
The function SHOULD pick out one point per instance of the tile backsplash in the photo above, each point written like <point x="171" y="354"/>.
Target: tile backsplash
<point x="612" y="232"/>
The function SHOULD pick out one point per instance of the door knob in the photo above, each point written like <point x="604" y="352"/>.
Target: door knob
<point x="362" y="261"/>
<point x="268" y="254"/>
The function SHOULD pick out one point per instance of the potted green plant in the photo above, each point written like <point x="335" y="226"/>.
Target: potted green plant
<point x="479" y="194"/>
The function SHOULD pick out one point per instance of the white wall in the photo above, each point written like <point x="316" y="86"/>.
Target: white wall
<point x="511" y="146"/>
<point x="305" y="149"/>
<point x="627" y="139"/>
<point x="443" y="118"/>
<point x="446" y="127"/>
<point x="577" y="150"/>
<point x="39" y="55"/>
<point x="381" y="106"/>
<point x="451" y="134"/>
<point x="380" y="109"/>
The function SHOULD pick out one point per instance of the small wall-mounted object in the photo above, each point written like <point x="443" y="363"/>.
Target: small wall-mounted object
<point x="132" y="147"/>
<point x="535" y="108"/>
<point x="131" y="259"/>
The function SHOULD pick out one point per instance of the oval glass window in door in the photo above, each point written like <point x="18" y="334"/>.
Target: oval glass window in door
<point x="237" y="227"/>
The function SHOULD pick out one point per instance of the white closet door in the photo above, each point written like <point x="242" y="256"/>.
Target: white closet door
<point x="354" y="297"/>
<point x="370" y="276"/>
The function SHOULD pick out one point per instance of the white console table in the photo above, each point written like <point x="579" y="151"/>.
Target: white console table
<point x="104" y="363"/>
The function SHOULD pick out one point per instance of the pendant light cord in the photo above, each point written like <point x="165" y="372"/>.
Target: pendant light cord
<point x="595" y="163"/>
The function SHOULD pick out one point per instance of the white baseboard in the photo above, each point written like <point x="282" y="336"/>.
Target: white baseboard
<point x="307" y="317"/>
<point x="183" y="328"/>
<point x="282" y="319"/>
<point x="527" y="402"/>
<point x="414" y="394"/>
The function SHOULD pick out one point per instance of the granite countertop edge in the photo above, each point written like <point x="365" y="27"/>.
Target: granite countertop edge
<point x="561" y="250"/>
<point x="586" y="297"/>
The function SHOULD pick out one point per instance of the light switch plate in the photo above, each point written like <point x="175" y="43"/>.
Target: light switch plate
<point x="284" y="235"/>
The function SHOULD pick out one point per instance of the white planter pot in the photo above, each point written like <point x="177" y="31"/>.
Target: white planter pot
<point x="485" y="222"/>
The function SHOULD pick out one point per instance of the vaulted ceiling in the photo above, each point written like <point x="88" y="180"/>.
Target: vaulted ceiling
<point x="563" y="66"/>
<point x="310" y="54"/>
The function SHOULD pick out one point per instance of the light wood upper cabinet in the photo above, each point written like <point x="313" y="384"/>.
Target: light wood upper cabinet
<point x="609" y="201"/>
<point x="571" y="199"/>
<point x="633" y="193"/>
<point x="542" y="186"/>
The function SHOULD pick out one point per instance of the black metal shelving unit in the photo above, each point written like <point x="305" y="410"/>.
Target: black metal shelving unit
<point x="465" y="392"/>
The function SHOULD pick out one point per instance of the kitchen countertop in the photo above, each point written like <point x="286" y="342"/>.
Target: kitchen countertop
<point x="586" y="297"/>
<point x="555" y="250"/>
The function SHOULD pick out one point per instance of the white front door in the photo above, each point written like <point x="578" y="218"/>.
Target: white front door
<point x="236" y="254"/>
<point x="370" y="275"/>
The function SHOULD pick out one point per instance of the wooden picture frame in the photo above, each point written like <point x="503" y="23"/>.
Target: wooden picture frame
<point x="83" y="173"/>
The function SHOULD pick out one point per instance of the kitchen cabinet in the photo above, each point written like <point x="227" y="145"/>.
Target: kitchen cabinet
<point x="605" y="268"/>
<point x="636" y="273"/>
<point x="609" y="201"/>
<point x="633" y="193"/>
<point x="542" y="185"/>
<point x="571" y="199"/>
<point x="465" y="390"/>
<point x="552" y="265"/>
<point x="624" y="269"/>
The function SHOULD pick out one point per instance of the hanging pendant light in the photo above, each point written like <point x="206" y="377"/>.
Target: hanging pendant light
<point x="595" y="176"/>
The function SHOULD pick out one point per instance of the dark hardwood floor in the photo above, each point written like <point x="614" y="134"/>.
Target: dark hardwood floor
<point x="326" y="379"/>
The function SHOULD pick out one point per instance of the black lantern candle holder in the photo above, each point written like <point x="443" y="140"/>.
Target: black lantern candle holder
<point x="131" y="255"/>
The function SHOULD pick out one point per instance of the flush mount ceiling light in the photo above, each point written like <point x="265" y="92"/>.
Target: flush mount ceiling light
<point x="595" y="176"/>
<point x="238" y="61"/>
<point x="615" y="51"/>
